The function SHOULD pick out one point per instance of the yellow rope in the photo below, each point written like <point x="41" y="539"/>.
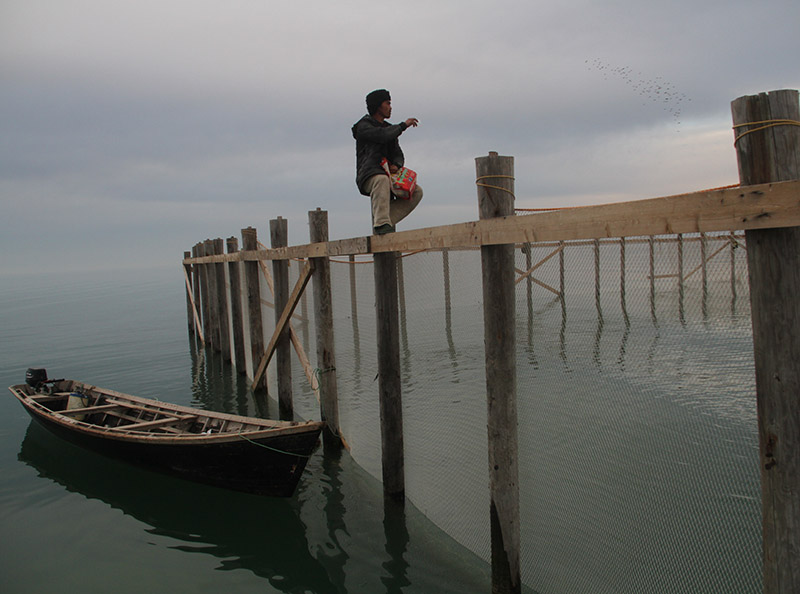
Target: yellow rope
<point x="763" y="125"/>
<point x="478" y="183"/>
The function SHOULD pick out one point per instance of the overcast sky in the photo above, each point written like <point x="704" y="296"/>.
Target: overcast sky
<point x="129" y="131"/>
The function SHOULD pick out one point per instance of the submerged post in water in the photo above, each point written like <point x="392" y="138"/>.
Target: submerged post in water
<point x="767" y="131"/>
<point x="495" y="179"/>
<point x="279" y="237"/>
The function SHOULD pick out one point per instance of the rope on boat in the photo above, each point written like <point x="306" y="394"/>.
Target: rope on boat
<point x="261" y="445"/>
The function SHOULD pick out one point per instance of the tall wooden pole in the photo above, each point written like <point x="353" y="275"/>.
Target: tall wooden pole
<point x="189" y="296"/>
<point x="323" y="316"/>
<point x="279" y="237"/>
<point x="253" y="284"/>
<point x="768" y="150"/>
<point x="389" y="385"/>
<point x="204" y="250"/>
<point x="495" y="178"/>
<point x="237" y="319"/>
<point x="198" y="304"/>
<point x="222" y="302"/>
<point x="213" y="310"/>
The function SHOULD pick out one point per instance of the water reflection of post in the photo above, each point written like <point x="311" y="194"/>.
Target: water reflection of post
<point x="622" y="295"/>
<point x="733" y="272"/>
<point x="623" y="303"/>
<point x="526" y="249"/>
<point x="563" y="331"/>
<point x="336" y="556"/>
<point x="599" y="333"/>
<point x="704" y="304"/>
<point x="681" y="313"/>
<point x="395" y="531"/>
<point x="197" y="358"/>
<point x="448" y="316"/>
<point x="651" y="244"/>
<point x="354" y="318"/>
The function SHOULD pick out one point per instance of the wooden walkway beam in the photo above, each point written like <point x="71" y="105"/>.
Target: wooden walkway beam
<point x="760" y="206"/>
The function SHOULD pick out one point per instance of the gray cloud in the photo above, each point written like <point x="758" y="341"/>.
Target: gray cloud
<point x="136" y="130"/>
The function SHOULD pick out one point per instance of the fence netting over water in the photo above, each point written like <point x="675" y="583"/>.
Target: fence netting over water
<point x="638" y="445"/>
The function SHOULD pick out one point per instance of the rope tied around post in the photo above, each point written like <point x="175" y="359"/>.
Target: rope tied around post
<point x="482" y="185"/>
<point x="763" y="125"/>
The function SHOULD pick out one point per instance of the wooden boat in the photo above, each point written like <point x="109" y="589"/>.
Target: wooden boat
<point x="253" y="455"/>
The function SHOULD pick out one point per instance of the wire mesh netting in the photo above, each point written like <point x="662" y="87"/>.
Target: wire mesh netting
<point x="638" y="446"/>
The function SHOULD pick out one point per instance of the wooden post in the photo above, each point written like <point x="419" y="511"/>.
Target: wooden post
<point x="203" y="250"/>
<point x="237" y="321"/>
<point x="253" y="284"/>
<point x="279" y="237"/>
<point x="222" y="303"/>
<point x="189" y="309"/>
<point x="389" y="385"/>
<point x="768" y="150"/>
<point x="198" y="304"/>
<point x="213" y="310"/>
<point x="495" y="178"/>
<point x="323" y="315"/>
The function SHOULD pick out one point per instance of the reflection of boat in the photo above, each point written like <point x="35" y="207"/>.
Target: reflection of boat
<point x="262" y="535"/>
<point x="248" y="454"/>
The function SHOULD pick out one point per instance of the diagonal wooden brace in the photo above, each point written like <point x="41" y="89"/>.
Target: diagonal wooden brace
<point x="294" y="298"/>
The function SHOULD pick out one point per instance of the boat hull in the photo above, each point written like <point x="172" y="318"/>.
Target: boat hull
<point x="264" y="462"/>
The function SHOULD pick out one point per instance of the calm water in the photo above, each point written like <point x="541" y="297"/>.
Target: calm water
<point x="75" y="521"/>
<point x="637" y="436"/>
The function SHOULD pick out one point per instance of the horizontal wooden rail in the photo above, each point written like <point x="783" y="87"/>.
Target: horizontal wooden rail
<point x="762" y="206"/>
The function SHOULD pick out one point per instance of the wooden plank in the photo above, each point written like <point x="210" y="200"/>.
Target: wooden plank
<point x="760" y="206"/>
<point x="525" y="274"/>
<point x="197" y="325"/>
<point x="87" y="409"/>
<point x="294" y="298"/>
<point x="298" y="346"/>
<point x="155" y="423"/>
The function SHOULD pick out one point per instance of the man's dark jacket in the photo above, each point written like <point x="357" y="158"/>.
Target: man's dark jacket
<point x="374" y="141"/>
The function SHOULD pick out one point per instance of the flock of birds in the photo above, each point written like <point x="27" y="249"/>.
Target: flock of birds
<point x="652" y="90"/>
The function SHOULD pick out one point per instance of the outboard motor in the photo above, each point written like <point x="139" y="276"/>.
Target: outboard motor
<point x="35" y="377"/>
